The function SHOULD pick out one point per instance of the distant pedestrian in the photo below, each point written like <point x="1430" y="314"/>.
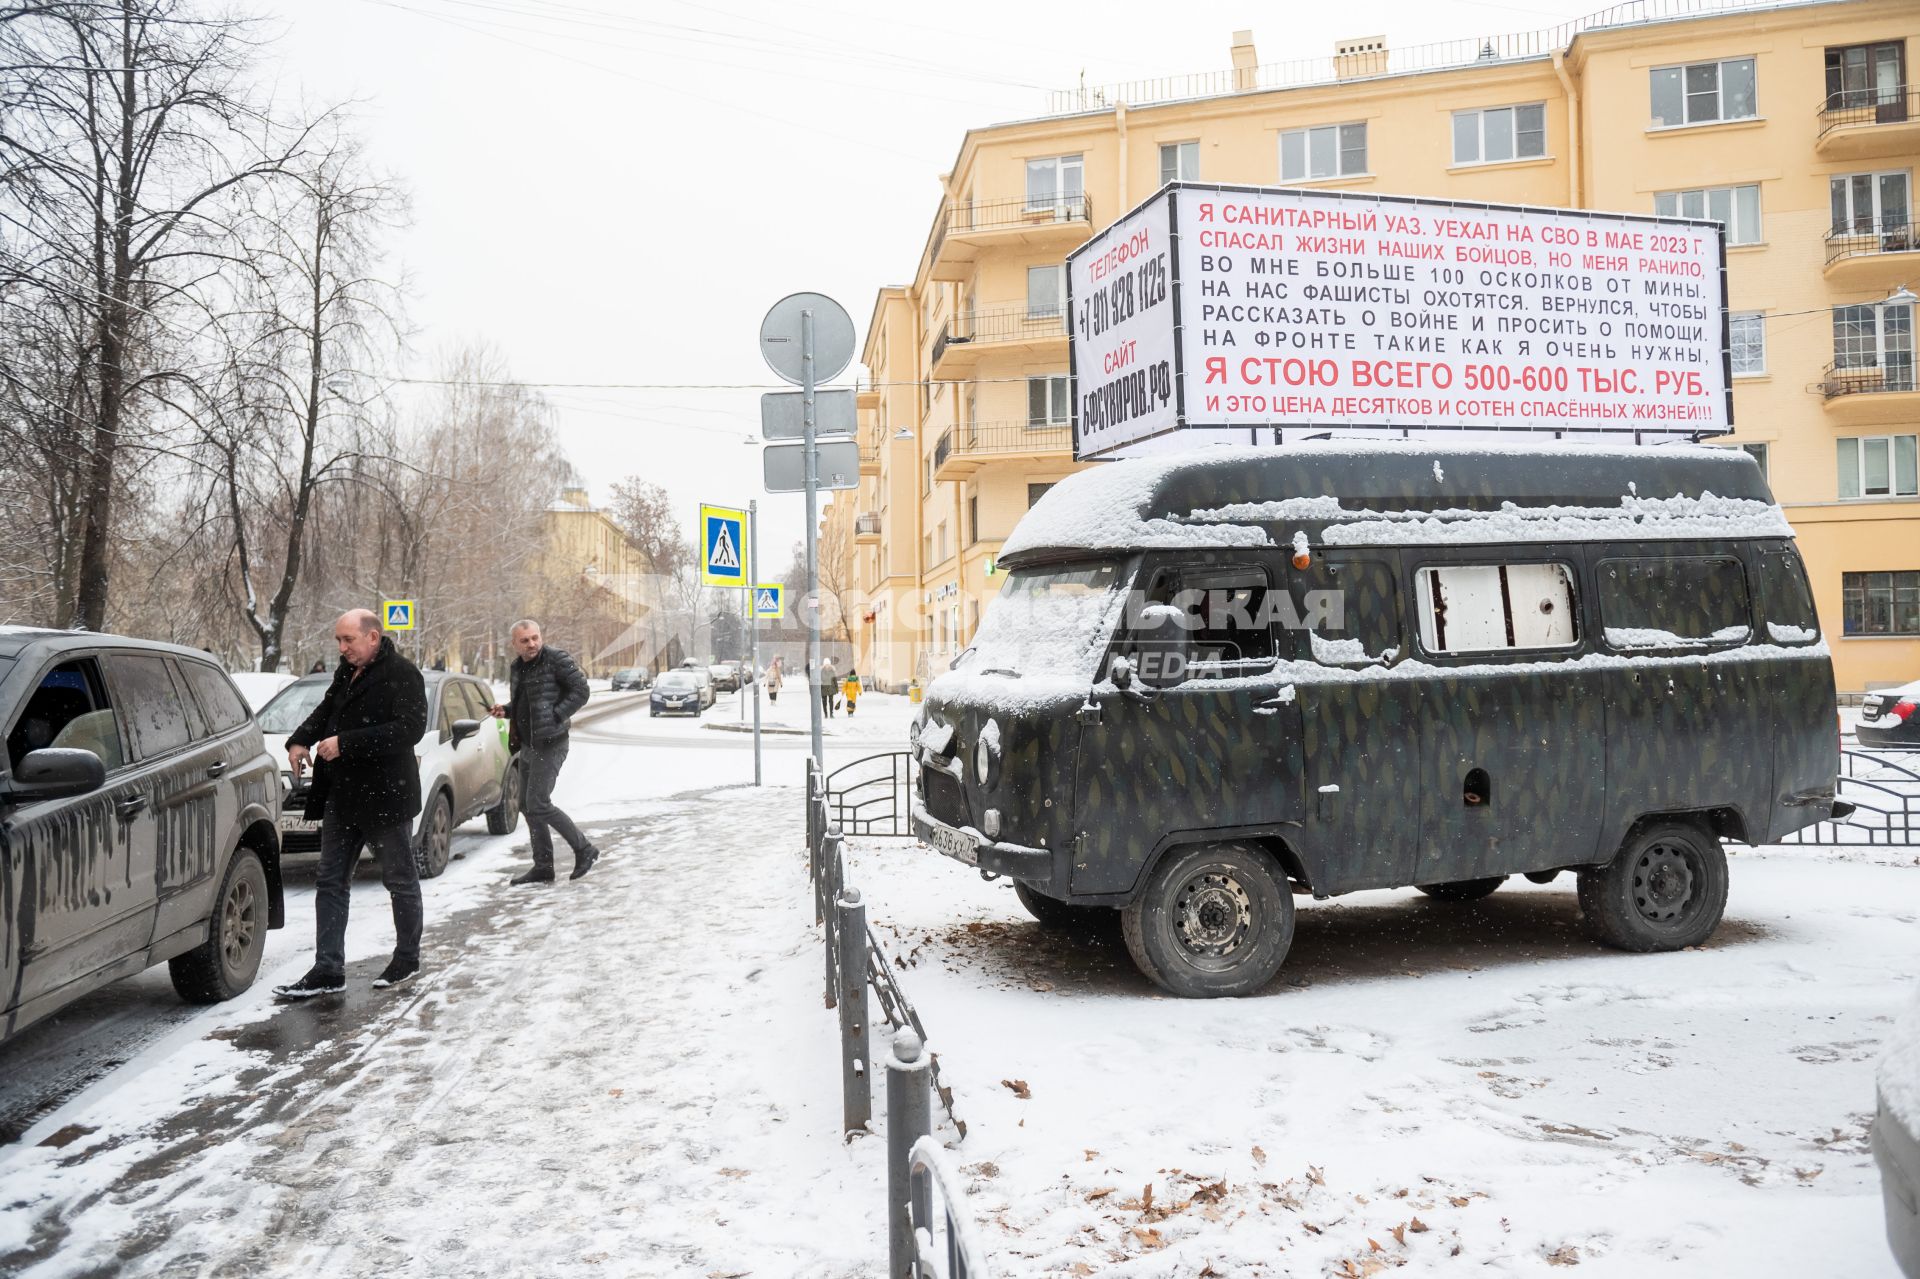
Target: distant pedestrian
<point x="774" y="680"/>
<point x="546" y="688"/>
<point x="829" y="687"/>
<point x="318" y="668"/>
<point x="850" y="686"/>
<point x="365" y="792"/>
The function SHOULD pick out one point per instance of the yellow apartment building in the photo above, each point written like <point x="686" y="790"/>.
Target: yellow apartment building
<point x="1797" y="125"/>
<point x="595" y="584"/>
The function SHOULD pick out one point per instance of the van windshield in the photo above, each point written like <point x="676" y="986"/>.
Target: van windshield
<point x="1050" y="621"/>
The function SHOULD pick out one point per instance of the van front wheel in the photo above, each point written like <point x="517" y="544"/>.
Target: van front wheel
<point x="1665" y="891"/>
<point x="1213" y="920"/>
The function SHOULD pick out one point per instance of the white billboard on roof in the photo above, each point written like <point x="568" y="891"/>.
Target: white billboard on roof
<point x="1249" y="315"/>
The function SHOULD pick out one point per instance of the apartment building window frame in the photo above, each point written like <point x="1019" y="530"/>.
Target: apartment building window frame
<point x="1757" y="450"/>
<point x="1185" y="161"/>
<point x="1324" y="152"/>
<point x="1047" y="291"/>
<point x="1065" y="186"/>
<point x="1037" y="489"/>
<point x="1731" y="206"/>
<point x="1056" y="401"/>
<point x="1880" y="602"/>
<point x="1488" y="129"/>
<point x="940" y="542"/>
<point x="973" y="519"/>
<point x="1686" y="94"/>
<point x="1864" y="338"/>
<point x="1892" y="476"/>
<point x="1874" y="86"/>
<point x="1846" y="190"/>
<point x="1747" y="343"/>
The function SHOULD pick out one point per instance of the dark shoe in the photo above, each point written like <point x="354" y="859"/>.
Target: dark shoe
<point x="583" y="861"/>
<point x="314" y="983"/>
<point x="538" y="875"/>
<point x="397" y="972"/>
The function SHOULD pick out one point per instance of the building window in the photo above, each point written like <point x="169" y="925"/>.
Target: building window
<point x="1878" y="466"/>
<point x="926" y="552"/>
<point x="1866" y="75"/>
<point x="1758" y="452"/>
<point x="1500" y="133"/>
<point x="1037" y="491"/>
<point x="1870" y="204"/>
<point x="1057" y="182"/>
<point x="1047" y="402"/>
<point x="1880" y="603"/>
<point x="1876" y="336"/>
<point x="1735" y="208"/>
<point x="1179" y="162"/>
<point x="973" y="519"/>
<point x="1702" y="92"/>
<point x="1747" y="342"/>
<point x="941" y="543"/>
<point x="1046" y="292"/>
<point x="1330" y="151"/>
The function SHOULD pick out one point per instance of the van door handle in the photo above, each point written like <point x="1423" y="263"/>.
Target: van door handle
<point x="216" y="768"/>
<point x="131" y="807"/>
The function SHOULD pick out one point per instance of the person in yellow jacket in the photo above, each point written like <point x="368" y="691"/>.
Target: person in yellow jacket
<point x="850" y="688"/>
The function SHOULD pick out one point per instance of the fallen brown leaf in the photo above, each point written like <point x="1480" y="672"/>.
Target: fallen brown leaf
<point x="1080" y="1268"/>
<point x="1400" y="1235"/>
<point x="1418" y="1226"/>
<point x="1565" y="1255"/>
<point x="1149" y="1238"/>
<point x="1373" y="1245"/>
<point x="1316" y="1175"/>
<point x="1101" y="1193"/>
<point x="1259" y="1157"/>
<point x="1146" y="1198"/>
<point x="1458" y="1201"/>
<point x="1091" y="1155"/>
<point x="1019" y="1087"/>
<point x="735" y="1172"/>
<point x="615" y="1092"/>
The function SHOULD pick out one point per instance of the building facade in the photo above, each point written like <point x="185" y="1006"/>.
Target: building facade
<point x="597" y="589"/>
<point x="1796" y="125"/>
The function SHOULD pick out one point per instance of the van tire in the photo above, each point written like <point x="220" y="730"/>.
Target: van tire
<point x="1463" y="890"/>
<point x="1054" y="914"/>
<point x="504" y="816"/>
<point x="225" y="964"/>
<point x="1666" y="890"/>
<point x="1175" y="928"/>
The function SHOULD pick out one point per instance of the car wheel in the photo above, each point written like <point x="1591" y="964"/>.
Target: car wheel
<point x="225" y="963"/>
<point x="436" y="839"/>
<point x="504" y="816"/>
<point x="1052" y="913"/>
<point x="1463" y="890"/>
<point x="1665" y="891"/>
<point x="1213" y="920"/>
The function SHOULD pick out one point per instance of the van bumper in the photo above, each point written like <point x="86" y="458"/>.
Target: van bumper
<point x="969" y="847"/>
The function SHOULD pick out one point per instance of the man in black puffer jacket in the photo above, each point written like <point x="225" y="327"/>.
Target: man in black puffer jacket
<point x="546" y="689"/>
<point x="366" y="792"/>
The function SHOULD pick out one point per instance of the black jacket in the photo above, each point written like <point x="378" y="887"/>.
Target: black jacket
<point x="545" y="694"/>
<point x="379" y="719"/>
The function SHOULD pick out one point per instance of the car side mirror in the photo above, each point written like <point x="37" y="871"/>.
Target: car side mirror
<point x="1162" y="648"/>
<point x="463" y="729"/>
<point x="56" y="773"/>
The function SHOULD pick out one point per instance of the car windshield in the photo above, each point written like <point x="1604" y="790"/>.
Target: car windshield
<point x="291" y="705"/>
<point x="675" y="680"/>
<point x="1049" y="621"/>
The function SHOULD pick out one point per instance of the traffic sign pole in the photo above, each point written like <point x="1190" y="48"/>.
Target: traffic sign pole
<point x="814" y="684"/>
<point x="753" y="631"/>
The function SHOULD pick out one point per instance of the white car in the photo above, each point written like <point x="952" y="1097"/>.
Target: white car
<point x="465" y="769"/>
<point x="258" y="687"/>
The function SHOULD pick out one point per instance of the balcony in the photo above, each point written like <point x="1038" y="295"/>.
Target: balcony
<point x="967" y="337"/>
<point x="962" y="450"/>
<point x="1873" y="395"/>
<point x="964" y="231"/>
<point x="1868" y="123"/>
<point x="1869" y="255"/>
<point x="870" y="446"/>
<point x="866" y="528"/>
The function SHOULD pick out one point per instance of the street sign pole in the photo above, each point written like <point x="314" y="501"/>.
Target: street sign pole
<point x="814" y="685"/>
<point x="753" y="628"/>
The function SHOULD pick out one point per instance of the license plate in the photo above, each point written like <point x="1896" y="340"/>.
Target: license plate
<point x="293" y="821"/>
<point x="1870" y="708"/>
<point x="956" y="844"/>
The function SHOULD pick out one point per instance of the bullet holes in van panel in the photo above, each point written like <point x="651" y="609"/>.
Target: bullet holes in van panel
<point x="1477" y="792"/>
<point x="1655" y="602"/>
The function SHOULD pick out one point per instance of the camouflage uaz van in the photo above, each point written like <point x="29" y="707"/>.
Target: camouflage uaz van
<point x="1213" y="681"/>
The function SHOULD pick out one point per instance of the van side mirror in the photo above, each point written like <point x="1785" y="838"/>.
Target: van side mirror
<point x="1162" y="649"/>
<point x="463" y="729"/>
<point x="56" y="773"/>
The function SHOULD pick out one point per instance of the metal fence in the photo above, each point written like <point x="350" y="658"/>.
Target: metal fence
<point x="854" y="962"/>
<point x="1874" y="236"/>
<point x="1896" y="105"/>
<point x="1884" y="788"/>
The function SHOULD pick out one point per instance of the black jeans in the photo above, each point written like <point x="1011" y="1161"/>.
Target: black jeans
<point x="340" y="847"/>
<point x="539" y="770"/>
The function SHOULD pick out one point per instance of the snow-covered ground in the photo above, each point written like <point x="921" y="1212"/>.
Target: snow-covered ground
<point x="634" y="1075"/>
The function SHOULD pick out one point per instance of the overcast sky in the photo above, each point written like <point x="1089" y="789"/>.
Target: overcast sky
<point x="614" y="191"/>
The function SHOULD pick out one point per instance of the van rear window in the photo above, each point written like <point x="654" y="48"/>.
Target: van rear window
<point x="1669" y="602"/>
<point x="1490" y="608"/>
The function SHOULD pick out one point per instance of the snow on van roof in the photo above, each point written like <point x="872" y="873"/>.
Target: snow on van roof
<point x="1392" y="492"/>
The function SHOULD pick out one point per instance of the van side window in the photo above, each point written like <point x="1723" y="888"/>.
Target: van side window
<point x="69" y="711"/>
<point x="1349" y="612"/>
<point x="1666" y="602"/>
<point x="1491" y="608"/>
<point x="1786" y="599"/>
<point x="1227" y="624"/>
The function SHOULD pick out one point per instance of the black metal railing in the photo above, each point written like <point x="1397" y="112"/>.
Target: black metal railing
<point x="1011" y="439"/>
<point x="1895" y="105"/>
<point x="1003" y="324"/>
<point x="1837" y="380"/>
<point x="1884" y="788"/>
<point x="963" y="216"/>
<point x="872" y="796"/>
<point x="942" y="449"/>
<point x="1872" y="237"/>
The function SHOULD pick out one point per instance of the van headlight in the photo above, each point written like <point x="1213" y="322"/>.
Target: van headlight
<point x="986" y="755"/>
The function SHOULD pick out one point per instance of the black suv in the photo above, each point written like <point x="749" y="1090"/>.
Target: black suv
<point x="138" y="818"/>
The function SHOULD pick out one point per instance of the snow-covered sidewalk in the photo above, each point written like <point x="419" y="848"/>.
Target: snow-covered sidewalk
<point x="629" y="1075"/>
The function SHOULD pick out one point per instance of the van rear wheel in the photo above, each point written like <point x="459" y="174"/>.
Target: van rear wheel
<point x="1213" y="920"/>
<point x="1666" y="890"/>
<point x="1463" y="890"/>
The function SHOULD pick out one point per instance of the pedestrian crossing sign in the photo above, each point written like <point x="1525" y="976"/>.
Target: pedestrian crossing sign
<point x="397" y="615"/>
<point x="769" y="601"/>
<point x="723" y="559"/>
